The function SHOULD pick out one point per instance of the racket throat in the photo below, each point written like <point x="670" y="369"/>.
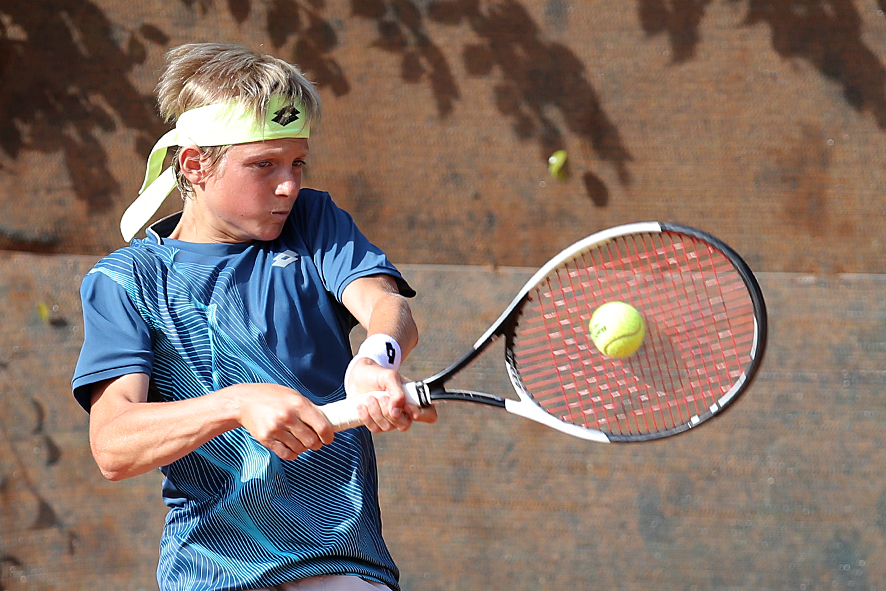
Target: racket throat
<point x="429" y="392"/>
<point x="422" y="394"/>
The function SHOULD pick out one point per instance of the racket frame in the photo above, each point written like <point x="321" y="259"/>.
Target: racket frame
<point x="433" y="388"/>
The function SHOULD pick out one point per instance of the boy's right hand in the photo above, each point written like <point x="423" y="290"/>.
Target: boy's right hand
<point x="281" y="419"/>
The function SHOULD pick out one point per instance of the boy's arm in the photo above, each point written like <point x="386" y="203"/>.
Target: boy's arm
<point x="376" y="303"/>
<point x="130" y="436"/>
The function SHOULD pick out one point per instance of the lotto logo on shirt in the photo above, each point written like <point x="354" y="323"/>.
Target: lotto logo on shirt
<point x="285" y="258"/>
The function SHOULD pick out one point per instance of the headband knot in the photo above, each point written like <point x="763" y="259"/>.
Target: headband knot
<point x="218" y="124"/>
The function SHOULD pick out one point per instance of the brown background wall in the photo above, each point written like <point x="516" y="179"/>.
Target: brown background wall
<point x="762" y="122"/>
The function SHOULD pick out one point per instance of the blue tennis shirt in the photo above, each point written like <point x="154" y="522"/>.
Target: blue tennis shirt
<point x="200" y="317"/>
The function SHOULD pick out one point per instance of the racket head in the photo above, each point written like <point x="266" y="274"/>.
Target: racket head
<point x="706" y="331"/>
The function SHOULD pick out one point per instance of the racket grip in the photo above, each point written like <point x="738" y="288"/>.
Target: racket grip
<point x="343" y="414"/>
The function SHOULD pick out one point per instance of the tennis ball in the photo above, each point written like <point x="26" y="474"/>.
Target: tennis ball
<point x="617" y="329"/>
<point x="557" y="165"/>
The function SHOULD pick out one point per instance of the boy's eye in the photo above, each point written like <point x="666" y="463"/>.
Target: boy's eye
<point x="298" y="163"/>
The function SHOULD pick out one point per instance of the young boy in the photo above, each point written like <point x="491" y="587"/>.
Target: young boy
<point x="209" y="345"/>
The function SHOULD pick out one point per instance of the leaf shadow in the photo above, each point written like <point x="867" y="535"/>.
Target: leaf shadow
<point x="315" y="39"/>
<point x="826" y="34"/>
<point x="541" y="86"/>
<point x="65" y="83"/>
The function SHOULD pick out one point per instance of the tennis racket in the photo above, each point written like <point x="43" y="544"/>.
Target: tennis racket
<point x="706" y="330"/>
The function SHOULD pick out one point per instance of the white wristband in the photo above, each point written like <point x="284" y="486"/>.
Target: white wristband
<point x="382" y="349"/>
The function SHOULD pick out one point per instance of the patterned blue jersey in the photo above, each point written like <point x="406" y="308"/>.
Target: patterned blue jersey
<point x="200" y="317"/>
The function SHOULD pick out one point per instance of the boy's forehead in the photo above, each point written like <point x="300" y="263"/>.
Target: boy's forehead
<point x="278" y="145"/>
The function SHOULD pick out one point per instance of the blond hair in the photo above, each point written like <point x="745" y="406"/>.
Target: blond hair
<point x="199" y="74"/>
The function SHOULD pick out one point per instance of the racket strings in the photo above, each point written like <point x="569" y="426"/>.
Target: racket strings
<point x="699" y="335"/>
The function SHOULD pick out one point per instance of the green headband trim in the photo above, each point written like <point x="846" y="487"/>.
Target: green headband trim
<point x="220" y="124"/>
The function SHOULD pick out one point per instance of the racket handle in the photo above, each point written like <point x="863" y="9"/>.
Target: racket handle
<point x="343" y="414"/>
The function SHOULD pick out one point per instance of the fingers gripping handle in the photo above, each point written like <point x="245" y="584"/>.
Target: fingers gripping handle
<point x="343" y="414"/>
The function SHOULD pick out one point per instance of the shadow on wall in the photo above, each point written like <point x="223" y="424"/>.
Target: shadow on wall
<point x="65" y="78"/>
<point x="314" y="35"/>
<point x="65" y="71"/>
<point x="827" y="34"/>
<point x="65" y="81"/>
<point x="17" y="489"/>
<point x="537" y="76"/>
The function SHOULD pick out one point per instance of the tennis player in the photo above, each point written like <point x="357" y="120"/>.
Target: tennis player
<point x="210" y="343"/>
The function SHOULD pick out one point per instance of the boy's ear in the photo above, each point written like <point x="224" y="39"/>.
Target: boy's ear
<point x="191" y="164"/>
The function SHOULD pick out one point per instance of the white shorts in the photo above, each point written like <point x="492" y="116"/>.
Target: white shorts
<point x="330" y="583"/>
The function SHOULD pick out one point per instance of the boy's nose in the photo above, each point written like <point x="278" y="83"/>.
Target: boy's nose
<point x="289" y="186"/>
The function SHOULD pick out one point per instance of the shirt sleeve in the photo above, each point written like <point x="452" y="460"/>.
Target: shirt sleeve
<point x="341" y="252"/>
<point x="116" y="339"/>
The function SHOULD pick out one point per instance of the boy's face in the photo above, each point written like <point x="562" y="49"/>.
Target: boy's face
<point x="250" y="193"/>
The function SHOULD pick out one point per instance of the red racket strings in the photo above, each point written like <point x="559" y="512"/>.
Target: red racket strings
<point x="699" y="335"/>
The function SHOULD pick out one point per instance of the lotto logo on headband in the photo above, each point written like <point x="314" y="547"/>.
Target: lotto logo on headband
<point x="286" y="115"/>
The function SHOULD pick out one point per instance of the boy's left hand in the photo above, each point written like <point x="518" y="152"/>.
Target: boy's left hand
<point x="388" y="409"/>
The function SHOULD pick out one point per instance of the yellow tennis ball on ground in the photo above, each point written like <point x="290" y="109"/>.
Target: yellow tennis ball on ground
<point x="617" y="329"/>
